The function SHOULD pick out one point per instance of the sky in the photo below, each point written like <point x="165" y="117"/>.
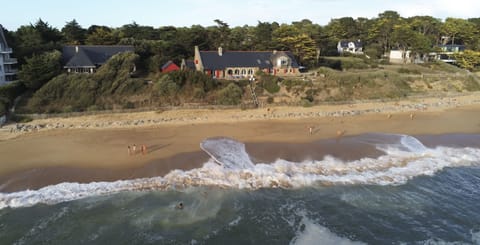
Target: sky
<point x="156" y="13"/>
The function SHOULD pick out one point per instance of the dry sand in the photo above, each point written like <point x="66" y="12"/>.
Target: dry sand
<point x="32" y="160"/>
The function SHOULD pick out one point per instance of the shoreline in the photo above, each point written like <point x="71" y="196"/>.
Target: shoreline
<point x="43" y="157"/>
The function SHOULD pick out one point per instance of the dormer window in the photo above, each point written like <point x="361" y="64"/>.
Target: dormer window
<point x="283" y="61"/>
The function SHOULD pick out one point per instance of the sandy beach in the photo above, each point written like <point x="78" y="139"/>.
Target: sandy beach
<point x="94" y="148"/>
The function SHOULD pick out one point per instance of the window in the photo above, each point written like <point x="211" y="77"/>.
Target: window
<point x="237" y="71"/>
<point x="244" y="72"/>
<point x="283" y="61"/>
<point x="250" y="72"/>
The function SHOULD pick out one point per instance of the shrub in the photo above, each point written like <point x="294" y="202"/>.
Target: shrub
<point x="409" y="71"/>
<point x="270" y="100"/>
<point x="198" y="93"/>
<point x="306" y="103"/>
<point x="3" y="106"/>
<point x="471" y="84"/>
<point x="12" y="90"/>
<point x="128" y="105"/>
<point x="230" y="95"/>
<point x="20" y="119"/>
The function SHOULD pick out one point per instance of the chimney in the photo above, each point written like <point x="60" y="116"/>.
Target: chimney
<point x="220" y="51"/>
<point x="76" y="49"/>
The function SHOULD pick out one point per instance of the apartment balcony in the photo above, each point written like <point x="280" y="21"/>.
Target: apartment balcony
<point x="9" y="72"/>
<point x="10" y="61"/>
<point x="6" y="51"/>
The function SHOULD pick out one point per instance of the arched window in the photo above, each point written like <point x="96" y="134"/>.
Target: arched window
<point x="230" y="72"/>
<point x="250" y="72"/>
<point x="244" y="72"/>
<point x="237" y="71"/>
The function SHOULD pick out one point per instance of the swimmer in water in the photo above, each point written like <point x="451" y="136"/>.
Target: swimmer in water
<point x="179" y="206"/>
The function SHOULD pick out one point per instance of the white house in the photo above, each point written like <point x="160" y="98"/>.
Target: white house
<point x="7" y="71"/>
<point x="353" y="47"/>
<point x="399" y="56"/>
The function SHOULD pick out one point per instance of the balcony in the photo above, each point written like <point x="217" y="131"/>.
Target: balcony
<point x="6" y="51"/>
<point x="10" y="61"/>
<point x="10" y="72"/>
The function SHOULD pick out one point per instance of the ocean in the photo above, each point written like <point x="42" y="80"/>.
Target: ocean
<point x="377" y="189"/>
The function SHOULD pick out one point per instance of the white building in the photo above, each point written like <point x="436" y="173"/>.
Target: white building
<point x="353" y="47"/>
<point x="7" y="71"/>
<point x="400" y="56"/>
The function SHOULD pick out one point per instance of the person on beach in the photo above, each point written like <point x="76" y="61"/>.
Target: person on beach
<point x="144" y="149"/>
<point x="134" y="149"/>
<point x="310" y="130"/>
<point x="129" y="150"/>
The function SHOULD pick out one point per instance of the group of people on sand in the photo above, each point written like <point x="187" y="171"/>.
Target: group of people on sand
<point x="132" y="150"/>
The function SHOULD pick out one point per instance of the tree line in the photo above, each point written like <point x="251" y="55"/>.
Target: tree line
<point x="307" y="40"/>
<point x="37" y="46"/>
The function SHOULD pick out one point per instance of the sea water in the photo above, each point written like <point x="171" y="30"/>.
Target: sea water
<point x="409" y="194"/>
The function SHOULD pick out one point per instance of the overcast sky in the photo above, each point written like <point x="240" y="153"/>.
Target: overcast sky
<point x="115" y="13"/>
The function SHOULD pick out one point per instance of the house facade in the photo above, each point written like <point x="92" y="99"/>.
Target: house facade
<point x="244" y="64"/>
<point x="88" y="58"/>
<point x="447" y="51"/>
<point x="353" y="47"/>
<point x="8" y="72"/>
<point x="399" y="56"/>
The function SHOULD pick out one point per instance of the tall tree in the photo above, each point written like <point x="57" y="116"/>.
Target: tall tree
<point x="102" y="35"/>
<point x="221" y="34"/>
<point x="382" y="29"/>
<point x="302" y="46"/>
<point x="47" y="32"/>
<point x="343" y="28"/>
<point x="39" y="69"/>
<point x="138" y="32"/>
<point x="475" y="44"/>
<point x="73" y="33"/>
<point x="458" y="31"/>
<point x="263" y="36"/>
<point x="282" y="33"/>
<point x="35" y="39"/>
<point x="241" y="38"/>
<point x="405" y="38"/>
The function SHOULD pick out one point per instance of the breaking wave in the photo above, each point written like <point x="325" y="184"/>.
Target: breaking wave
<point x="404" y="157"/>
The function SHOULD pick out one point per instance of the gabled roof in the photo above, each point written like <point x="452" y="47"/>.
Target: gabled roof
<point x="168" y="64"/>
<point x="88" y="56"/>
<point x="80" y="59"/>
<point x="344" y="43"/>
<point x="261" y="59"/>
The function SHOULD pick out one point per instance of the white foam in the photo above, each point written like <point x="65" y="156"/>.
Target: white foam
<point x="475" y="236"/>
<point x="312" y="234"/>
<point x="402" y="161"/>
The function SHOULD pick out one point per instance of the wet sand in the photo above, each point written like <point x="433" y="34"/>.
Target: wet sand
<point x="33" y="160"/>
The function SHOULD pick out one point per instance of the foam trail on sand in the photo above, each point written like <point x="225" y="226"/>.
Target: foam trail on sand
<point x="230" y="167"/>
<point x="227" y="152"/>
